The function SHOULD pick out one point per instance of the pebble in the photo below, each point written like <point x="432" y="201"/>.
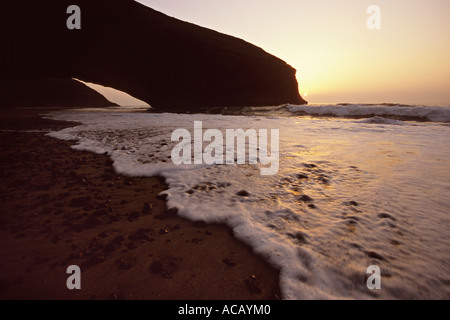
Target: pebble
<point x="228" y="262"/>
<point x="80" y="202"/>
<point x="300" y="236"/>
<point x="92" y="222"/>
<point x="163" y="231"/>
<point x="243" y="193"/>
<point x="156" y="267"/>
<point x="252" y="286"/>
<point x="305" y="198"/>
<point x="110" y="247"/>
<point x="133" y="216"/>
<point x="302" y="176"/>
<point x="372" y="254"/>
<point x="147" y="209"/>
<point x="123" y="265"/>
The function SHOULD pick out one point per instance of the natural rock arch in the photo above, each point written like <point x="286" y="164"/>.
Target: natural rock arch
<point x="166" y="62"/>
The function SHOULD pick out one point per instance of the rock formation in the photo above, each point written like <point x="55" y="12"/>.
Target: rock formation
<point x="50" y="92"/>
<point x="164" y="61"/>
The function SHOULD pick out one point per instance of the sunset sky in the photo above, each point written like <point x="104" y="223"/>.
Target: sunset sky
<point x="338" y="59"/>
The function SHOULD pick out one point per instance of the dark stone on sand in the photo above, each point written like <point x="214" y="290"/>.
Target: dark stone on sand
<point x="128" y="182"/>
<point x="100" y="212"/>
<point x="301" y="176"/>
<point x="56" y="238"/>
<point x="39" y="260"/>
<point x="92" y="261"/>
<point x="374" y="255"/>
<point x="147" y="209"/>
<point x="110" y="247"/>
<point x="300" y="236"/>
<point x="123" y="264"/>
<point x="157" y="56"/>
<point x="167" y="214"/>
<point x="312" y="205"/>
<point x="118" y="240"/>
<point x="140" y="234"/>
<point x="46" y="210"/>
<point x="196" y="240"/>
<point x="103" y="234"/>
<point x="228" y="262"/>
<point x="80" y="202"/>
<point x="243" y="193"/>
<point x="252" y="286"/>
<point x="133" y="216"/>
<point x="386" y="216"/>
<point x="305" y="198"/>
<point x="156" y="267"/>
<point x="166" y="274"/>
<point x="131" y="245"/>
<point x="323" y="180"/>
<point x="353" y="203"/>
<point x="352" y="222"/>
<point x="303" y="278"/>
<point x="200" y="224"/>
<point x="115" y="296"/>
<point x="92" y="222"/>
<point x="45" y="198"/>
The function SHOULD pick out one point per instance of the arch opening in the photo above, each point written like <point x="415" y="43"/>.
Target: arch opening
<point x="122" y="98"/>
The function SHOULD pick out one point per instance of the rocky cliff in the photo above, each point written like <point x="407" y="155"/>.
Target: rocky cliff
<point x="164" y="61"/>
<point x="50" y="92"/>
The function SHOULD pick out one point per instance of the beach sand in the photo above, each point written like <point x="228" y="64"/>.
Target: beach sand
<point x="62" y="207"/>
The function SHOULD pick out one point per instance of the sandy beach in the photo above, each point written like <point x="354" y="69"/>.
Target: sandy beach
<point x="62" y="207"/>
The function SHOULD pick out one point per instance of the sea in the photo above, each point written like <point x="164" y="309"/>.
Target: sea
<point x="357" y="185"/>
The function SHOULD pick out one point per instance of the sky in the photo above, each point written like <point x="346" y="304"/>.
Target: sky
<point x="337" y="57"/>
<point x="117" y="96"/>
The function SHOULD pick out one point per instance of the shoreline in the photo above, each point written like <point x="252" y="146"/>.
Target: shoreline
<point x="66" y="207"/>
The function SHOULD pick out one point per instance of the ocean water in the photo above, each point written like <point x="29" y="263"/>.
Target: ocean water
<point x="360" y="185"/>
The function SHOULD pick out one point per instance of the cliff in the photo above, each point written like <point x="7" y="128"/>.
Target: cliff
<point x="50" y="92"/>
<point x="164" y="61"/>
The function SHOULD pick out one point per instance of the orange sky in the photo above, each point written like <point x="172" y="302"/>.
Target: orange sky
<point x="337" y="57"/>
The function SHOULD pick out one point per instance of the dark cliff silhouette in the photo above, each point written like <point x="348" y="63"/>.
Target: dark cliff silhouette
<point x="50" y="92"/>
<point x="166" y="62"/>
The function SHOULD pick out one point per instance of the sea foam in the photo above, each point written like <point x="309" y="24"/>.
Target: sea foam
<point x="347" y="195"/>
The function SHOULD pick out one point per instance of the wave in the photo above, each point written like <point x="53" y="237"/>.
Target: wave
<point x="381" y="120"/>
<point x="346" y="195"/>
<point x="386" y="110"/>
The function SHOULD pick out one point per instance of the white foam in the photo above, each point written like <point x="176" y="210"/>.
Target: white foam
<point x="321" y="252"/>
<point x="381" y="120"/>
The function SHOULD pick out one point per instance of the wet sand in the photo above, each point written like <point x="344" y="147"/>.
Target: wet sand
<point x="62" y="207"/>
